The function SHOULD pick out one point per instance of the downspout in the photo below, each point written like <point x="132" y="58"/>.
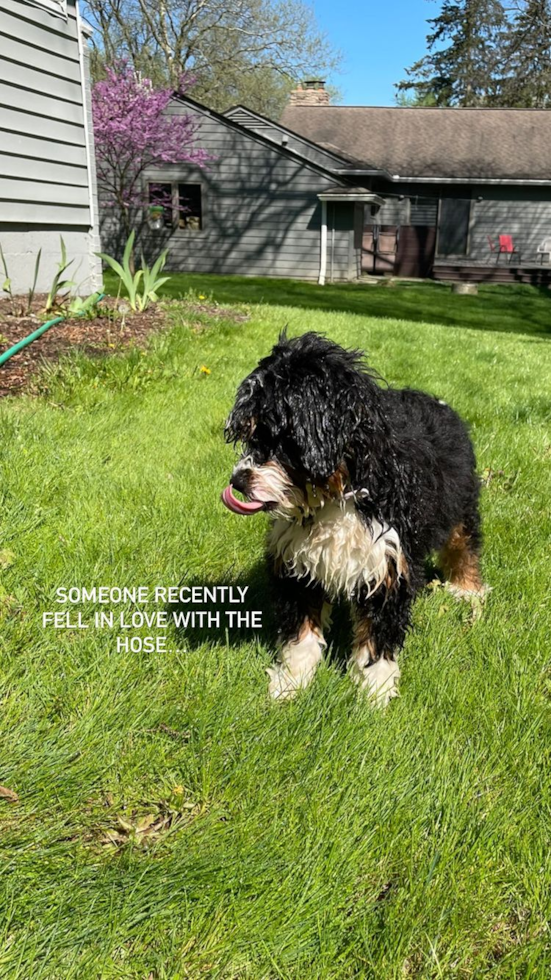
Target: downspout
<point x="331" y="276"/>
<point x="86" y="112"/>
<point x="323" y="244"/>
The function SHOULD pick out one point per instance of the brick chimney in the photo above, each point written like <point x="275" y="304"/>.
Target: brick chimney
<point x="311" y="92"/>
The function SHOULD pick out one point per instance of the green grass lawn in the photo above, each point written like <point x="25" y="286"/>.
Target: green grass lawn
<point x="319" y="839"/>
<point x="514" y="308"/>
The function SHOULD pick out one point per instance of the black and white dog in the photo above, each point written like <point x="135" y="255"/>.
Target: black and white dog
<point x="363" y="482"/>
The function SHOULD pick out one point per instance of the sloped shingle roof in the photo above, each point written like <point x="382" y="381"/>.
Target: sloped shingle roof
<point x="506" y="144"/>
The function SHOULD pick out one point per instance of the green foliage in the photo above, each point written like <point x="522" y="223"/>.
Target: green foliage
<point x="145" y="277"/>
<point x="526" y="75"/>
<point x="6" y="285"/>
<point x="484" y="53"/>
<point x="80" y="306"/>
<point x="250" y="51"/>
<point x="464" y="51"/>
<point x="32" y="288"/>
<point x="58" y="282"/>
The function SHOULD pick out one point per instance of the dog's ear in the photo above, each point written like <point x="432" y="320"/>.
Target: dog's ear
<point x="240" y="423"/>
<point x="323" y="424"/>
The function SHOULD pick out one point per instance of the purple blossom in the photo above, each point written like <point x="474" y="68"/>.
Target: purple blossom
<point x="132" y="132"/>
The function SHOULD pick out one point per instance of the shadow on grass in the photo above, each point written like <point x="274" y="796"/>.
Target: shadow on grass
<point x="258" y="599"/>
<point x="517" y="308"/>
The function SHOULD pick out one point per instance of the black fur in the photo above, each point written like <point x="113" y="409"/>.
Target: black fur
<point x="315" y="407"/>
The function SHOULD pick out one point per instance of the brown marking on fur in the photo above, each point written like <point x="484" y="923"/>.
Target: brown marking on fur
<point x="311" y="624"/>
<point x="363" y="635"/>
<point x="460" y="562"/>
<point x="336" y="483"/>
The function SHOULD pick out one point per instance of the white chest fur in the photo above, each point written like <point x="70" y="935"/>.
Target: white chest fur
<point x="337" y="549"/>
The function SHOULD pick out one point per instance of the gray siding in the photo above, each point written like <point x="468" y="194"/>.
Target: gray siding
<point x="282" y="137"/>
<point x="522" y="213"/>
<point x="393" y="212"/>
<point x="261" y="213"/>
<point x="46" y="167"/>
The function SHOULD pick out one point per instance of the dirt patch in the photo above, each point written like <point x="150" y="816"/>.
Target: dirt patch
<point x="115" y="328"/>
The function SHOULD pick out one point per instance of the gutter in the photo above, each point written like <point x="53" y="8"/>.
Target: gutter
<point x="81" y="29"/>
<point x="448" y="180"/>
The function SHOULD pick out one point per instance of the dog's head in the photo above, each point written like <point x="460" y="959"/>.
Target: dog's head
<point x="302" y="416"/>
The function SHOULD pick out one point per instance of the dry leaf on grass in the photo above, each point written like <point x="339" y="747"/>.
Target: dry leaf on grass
<point x="8" y="794"/>
<point x="145" y="829"/>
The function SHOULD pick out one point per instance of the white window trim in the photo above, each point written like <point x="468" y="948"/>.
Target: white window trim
<point x="58" y="8"/>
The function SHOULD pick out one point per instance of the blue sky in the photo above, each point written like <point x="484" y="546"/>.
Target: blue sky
<point x="379" y="39"/>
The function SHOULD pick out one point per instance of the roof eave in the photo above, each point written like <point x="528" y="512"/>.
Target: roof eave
<point x="420" y="179"/>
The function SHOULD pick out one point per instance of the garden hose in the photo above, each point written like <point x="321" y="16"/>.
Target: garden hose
<point x="38" y="333"/>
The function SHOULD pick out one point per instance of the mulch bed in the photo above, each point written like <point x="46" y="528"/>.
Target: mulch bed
<point x="114" y="329"/>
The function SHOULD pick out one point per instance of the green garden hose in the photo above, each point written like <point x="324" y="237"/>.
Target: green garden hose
<point x="38" y="333"/>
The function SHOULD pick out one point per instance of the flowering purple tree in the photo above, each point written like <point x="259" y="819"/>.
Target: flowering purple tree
<point x="132" y="132"/>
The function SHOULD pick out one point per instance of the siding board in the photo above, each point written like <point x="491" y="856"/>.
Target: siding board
<point x="15" y="212"/>
<point x="27" y="122"/>
<point x="43" y="60"/>
<point x="36" y="191"/>
<point x="39" y="36"/>
<point x="54" y="172"/>
<point x="42" y="105"/>
<point x="46" y="178"/>
<point x="41" y="149"/>
<point x="30" y="78"/>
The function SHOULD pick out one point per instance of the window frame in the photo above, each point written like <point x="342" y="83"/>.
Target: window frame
<point x="189" y="183"/>
<point x="176" y="183"/>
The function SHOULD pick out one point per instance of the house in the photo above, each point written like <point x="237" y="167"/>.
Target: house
<point x="47" y="165"/>
<point x="331" y="193"/>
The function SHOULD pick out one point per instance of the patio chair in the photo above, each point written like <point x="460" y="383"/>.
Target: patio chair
<point x="504" y="246"/>
<point x="545" y="249"/>
<point x="507" y="247"/>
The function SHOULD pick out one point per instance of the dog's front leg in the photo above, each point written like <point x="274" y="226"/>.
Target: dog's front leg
<point x="380" y="625"/>
<point x="302" y="613"/>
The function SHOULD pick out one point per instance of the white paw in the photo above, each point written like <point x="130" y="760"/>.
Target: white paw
<point x="296" y="667"/>
<point x="379" y="681"/>
<point x="460" y="593"/>
<point x="283" y="686"/>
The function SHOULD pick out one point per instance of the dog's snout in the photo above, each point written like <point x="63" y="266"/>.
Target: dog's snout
<point x="240" y="478"/>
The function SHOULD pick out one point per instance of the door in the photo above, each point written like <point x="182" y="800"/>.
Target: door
<point x="379" y="249"/>
<point x="415" y="255"/>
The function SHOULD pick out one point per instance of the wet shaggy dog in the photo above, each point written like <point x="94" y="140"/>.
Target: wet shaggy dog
<point x="363" y="482"/>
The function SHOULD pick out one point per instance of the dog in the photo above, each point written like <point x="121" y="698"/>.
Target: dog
<point x="363" y="482"/>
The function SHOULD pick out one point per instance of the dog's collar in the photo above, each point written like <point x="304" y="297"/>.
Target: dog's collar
<point x="355" y="494"/>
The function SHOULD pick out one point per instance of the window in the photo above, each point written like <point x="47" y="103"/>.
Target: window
<point x="160" y="196"/>
<point x="190" y="214"/>
<point x="453" y="226"/>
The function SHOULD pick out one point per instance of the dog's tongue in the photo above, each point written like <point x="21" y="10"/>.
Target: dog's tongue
<point x="240" y="506"/>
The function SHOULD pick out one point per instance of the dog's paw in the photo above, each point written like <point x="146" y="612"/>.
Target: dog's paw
<point x="283" y="686"/>
<point x="379" y="681"/>
<point x="469" y="594"/>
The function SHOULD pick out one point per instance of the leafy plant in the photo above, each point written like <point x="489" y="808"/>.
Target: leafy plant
<point x="20" y="310"/>
<point x="6" y="285"/>
<point x="83" y="307"/>
<point x="32" y="290"/>
<point x="59" y="282"/>
<point x="145" y="277"/>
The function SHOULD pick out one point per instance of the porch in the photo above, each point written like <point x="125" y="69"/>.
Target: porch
<point x="505" y="271"/>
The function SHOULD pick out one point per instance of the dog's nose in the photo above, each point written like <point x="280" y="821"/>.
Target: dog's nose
<point x="240" y="478"/>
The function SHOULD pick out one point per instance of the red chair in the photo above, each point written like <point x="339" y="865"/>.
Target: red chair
<point x="505" y="246"/>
